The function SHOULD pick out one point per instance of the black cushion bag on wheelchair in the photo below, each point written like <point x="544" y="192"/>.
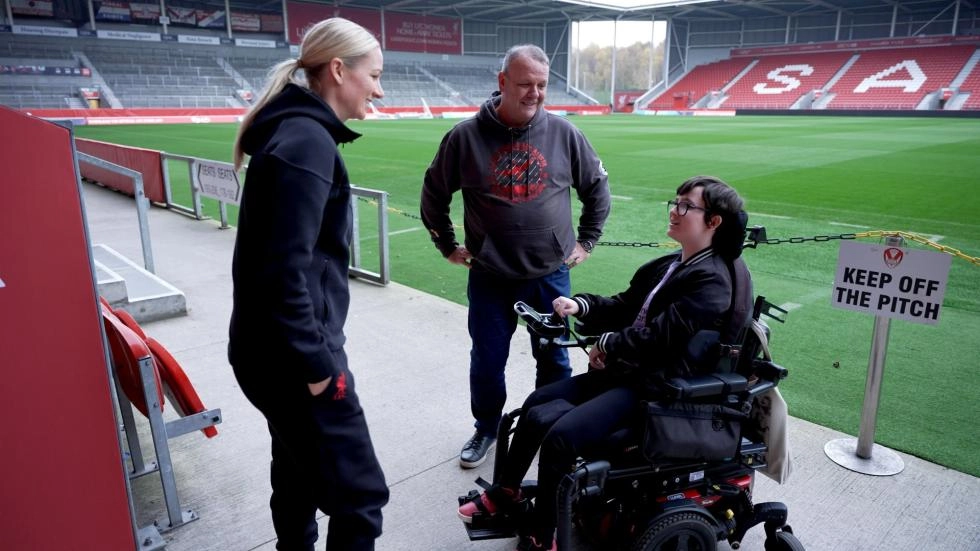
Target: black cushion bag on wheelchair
<point x="684" y="430"/>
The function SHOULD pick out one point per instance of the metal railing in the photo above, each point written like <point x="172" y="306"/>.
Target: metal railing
<point x="224" y="197"/>
<point x="383" y="275"/>
<point x="142" y="203"/>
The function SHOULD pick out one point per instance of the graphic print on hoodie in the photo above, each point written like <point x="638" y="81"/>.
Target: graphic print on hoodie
<point x="518" y="172"/>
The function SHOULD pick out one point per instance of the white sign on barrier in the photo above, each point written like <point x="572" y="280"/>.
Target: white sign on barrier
<point x="893" y="282"/>
<point x="217" y="181"/>
<point x="196" y="39"/>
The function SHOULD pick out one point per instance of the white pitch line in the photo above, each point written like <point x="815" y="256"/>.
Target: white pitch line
<point x="396" y="232"/>
<point x="406" y="230"/>
<point x="846" y="225"/>
<point x="623" y="197"/>
<point x="806" y="299"/>
<point x="764" y="215"/>
<point x="790" y="306"/>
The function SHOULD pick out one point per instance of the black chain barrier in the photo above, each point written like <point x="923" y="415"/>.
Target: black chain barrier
<point x="757" y="236"/>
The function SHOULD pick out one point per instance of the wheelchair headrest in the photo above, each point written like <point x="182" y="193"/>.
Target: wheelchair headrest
<point x="740" y="312"/>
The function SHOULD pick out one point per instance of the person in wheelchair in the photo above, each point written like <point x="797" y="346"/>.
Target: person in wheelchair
<point x="644" y="332"/>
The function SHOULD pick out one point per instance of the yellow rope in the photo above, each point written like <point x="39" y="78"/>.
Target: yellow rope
<point x="920" y="239"/>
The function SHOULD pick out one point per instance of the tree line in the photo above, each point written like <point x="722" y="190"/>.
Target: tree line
<point x="594" y="65"/>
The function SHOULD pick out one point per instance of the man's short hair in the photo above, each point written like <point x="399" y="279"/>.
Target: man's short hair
<point x="529" y="51"/>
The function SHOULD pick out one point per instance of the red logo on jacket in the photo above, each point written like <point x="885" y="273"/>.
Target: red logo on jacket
<point x="341" y="391"/>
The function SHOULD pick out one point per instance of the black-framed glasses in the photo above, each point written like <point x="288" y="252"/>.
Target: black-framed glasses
<point x="683" y="206"/>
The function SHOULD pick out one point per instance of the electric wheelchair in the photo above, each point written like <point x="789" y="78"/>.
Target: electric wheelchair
<point x="627" y="500"/>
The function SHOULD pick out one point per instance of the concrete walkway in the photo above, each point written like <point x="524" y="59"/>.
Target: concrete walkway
<point x="409" y="352"/>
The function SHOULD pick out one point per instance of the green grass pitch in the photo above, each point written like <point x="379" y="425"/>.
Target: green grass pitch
<point x="801" y="176"/>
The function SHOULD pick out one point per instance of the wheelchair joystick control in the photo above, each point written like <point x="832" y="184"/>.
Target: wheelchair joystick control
<point x="544" y="325"/>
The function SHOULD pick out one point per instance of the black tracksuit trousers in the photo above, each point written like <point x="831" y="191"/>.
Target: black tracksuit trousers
<point x="322" y="458"/>
<point x="566" y="419"/>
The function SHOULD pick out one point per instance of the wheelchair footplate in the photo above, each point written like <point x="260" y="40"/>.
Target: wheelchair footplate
<point x="503" y="524"/>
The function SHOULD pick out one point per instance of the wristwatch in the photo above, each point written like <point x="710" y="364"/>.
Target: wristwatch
<point x="587" y="245"/>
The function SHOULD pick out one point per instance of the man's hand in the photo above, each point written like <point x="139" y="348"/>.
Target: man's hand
<point x="578" y="256"/>
<point x="317" y="389"/>
<point x="462" y="257"/>
<point x="565" y="306"/>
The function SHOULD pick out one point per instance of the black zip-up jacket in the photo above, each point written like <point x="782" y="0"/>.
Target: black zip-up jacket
<point x="292" y="250"/>
<point x="698" y="295"/>
<point x="516" y="185"/>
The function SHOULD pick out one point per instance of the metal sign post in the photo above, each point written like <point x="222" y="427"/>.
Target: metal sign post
<point x="863" y="455"/>
<point x="889" y="282"/>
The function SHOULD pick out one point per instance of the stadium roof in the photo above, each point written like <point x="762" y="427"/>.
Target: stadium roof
<point x="545" y="11"/>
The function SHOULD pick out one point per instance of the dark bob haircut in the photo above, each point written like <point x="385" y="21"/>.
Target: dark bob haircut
<point x="721" y="199"/>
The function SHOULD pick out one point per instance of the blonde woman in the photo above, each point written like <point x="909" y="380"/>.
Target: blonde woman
<point x="290" y="289"/>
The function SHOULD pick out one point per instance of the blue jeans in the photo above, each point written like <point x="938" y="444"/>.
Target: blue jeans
<point x="492" y="323"/>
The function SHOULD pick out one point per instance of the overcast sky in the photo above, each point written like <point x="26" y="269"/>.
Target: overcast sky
<point x="627" y="33"/>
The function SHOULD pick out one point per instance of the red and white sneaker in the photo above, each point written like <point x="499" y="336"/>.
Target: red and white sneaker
<point x="488" y="503"/>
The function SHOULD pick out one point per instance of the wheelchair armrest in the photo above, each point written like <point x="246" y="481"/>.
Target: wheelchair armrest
<point x="719" y="384"/>
<point x="733" y="382"/>
<point x="769" y="375"/>
<point x="769" y="371"/>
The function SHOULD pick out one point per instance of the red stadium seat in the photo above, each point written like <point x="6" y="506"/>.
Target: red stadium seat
<point x="873" y="82"/>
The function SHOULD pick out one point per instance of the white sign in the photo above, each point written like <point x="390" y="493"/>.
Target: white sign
<point x="196" y="39"/>
<point x="129" y="35"/>
<point x="44" y="31"/>
<point x="217" y="181"/>
<point x="255" y="43"/>
<point x="893" y="282"/>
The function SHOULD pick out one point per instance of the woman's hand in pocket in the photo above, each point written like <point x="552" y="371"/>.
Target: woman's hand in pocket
<point x="317" y="389"/>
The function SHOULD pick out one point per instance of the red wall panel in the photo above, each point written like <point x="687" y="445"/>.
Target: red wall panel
<point x="63" y="473"/>
<point x="145" y="161"/>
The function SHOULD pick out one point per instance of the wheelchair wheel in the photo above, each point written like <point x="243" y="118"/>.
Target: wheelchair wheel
<point x="783" y="540"/>
<point x="684" y="531"/>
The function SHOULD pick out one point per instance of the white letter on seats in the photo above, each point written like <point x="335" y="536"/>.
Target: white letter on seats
<point x="912" y="84"/>
<point x="790" y="82"/>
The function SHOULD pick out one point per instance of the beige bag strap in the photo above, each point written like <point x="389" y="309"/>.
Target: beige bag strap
<point x="759" y="329"/>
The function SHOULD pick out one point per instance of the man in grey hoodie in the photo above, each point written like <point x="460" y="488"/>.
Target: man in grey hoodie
<point x="515" y="165"/>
